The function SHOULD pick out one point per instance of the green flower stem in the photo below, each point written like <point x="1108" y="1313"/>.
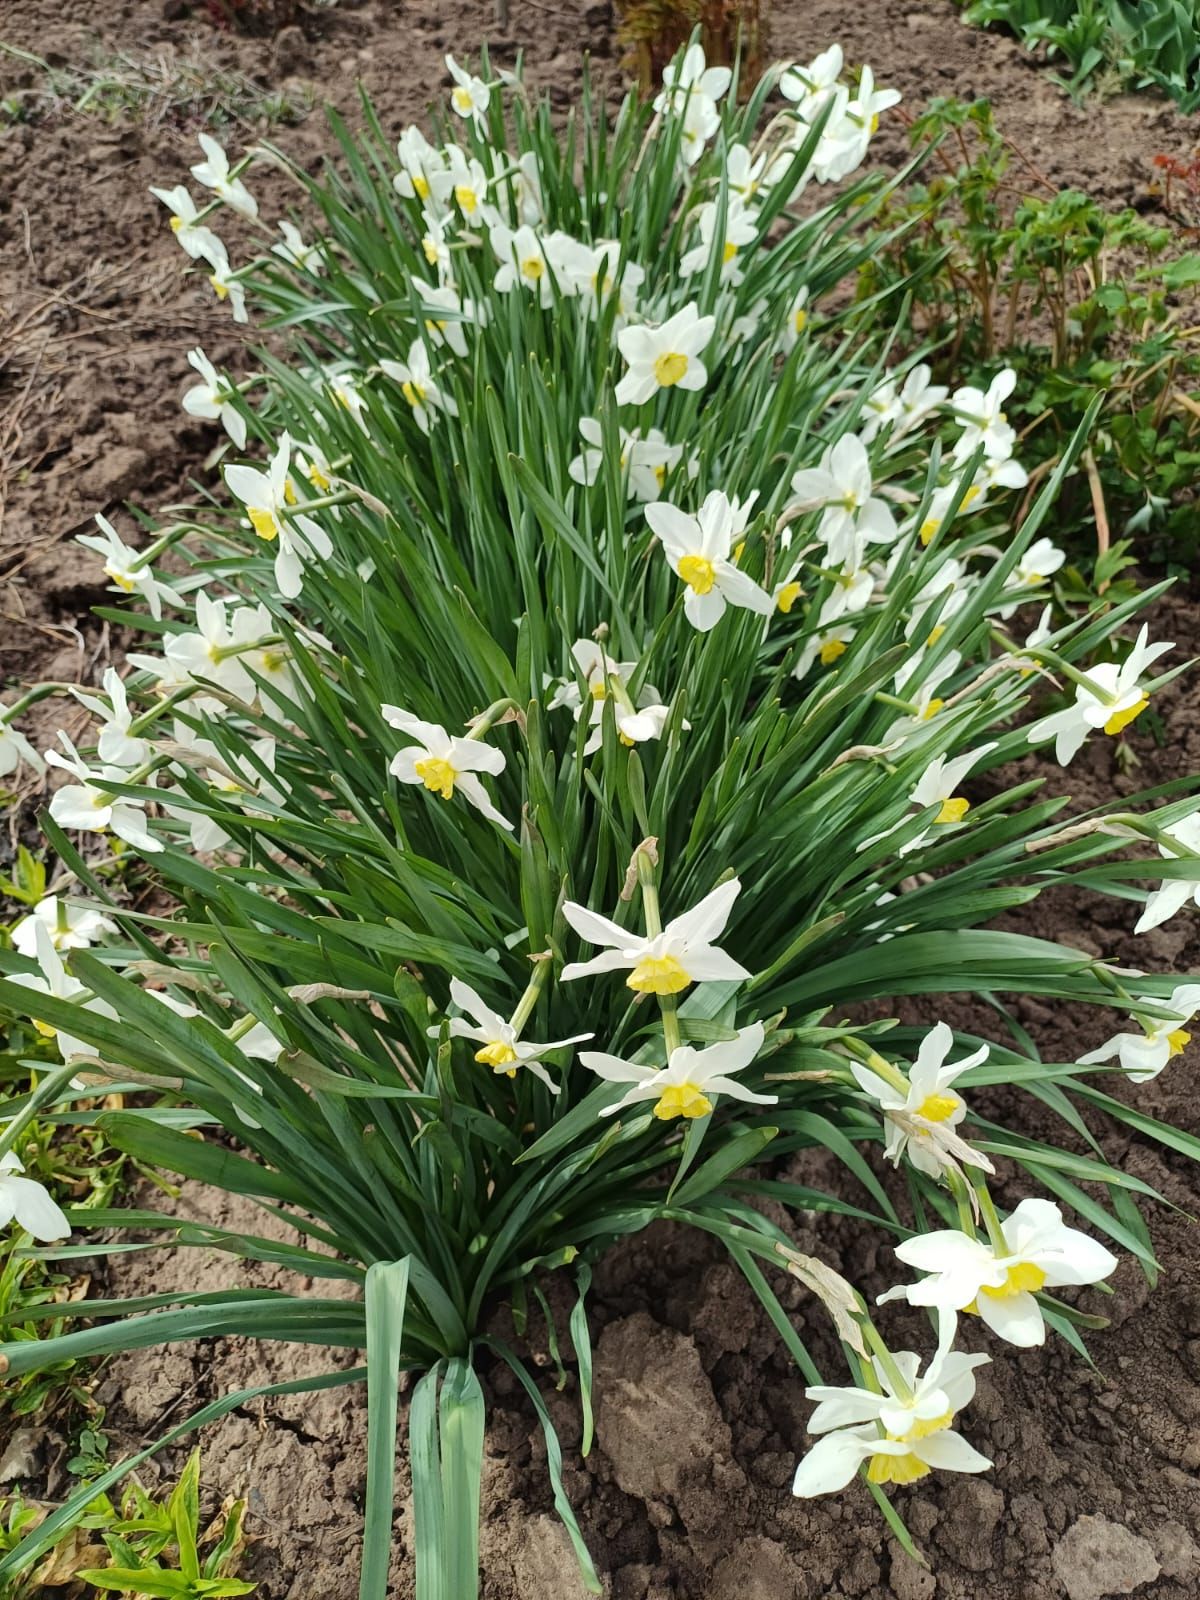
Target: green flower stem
<point x="48" y="1090"/>
<point x="1053" y="659"/>
<point x="39" y="691"/>
<point x="886" y="1360"/>
<point x="529" y="999"/>
<point x="991" y="1219"/>
<point x="672" y="1036"/>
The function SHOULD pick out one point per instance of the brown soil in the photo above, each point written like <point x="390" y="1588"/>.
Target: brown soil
<point x="1096" y="1489"/>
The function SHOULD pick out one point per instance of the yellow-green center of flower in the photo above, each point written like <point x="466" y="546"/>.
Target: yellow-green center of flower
<point x="1121" y="719"/>
<point x="120" y="579"/>
<point x="44" y="1028"/>
<point x="467" y="198"/>
<point x="264" y="522"/>
<point x="462" y="99"/>
<point x="219" y="288"/>
<point x="176" y="224"/>
<point x="682" y="1100"/>
<point x="533" y="268"/>
<point x="896" y="1469"/>
<point x="831" y="650"/>
<point x="318" y="479"/>
<point x="436" y="774"/>
<point x="730" y="251"/>
<point x="669" y="368"/>
<point x="800" y="319"/>
<point x="497" y="1055"/>
<point x="420" y="186"/>
<point x="932" y="709"/>
<point x="929" y="527"/>
<point x="414" y="393"/>
<point x="699" y="573"/>
<point x="1024" y="1278"/>
<point x="1178" y="1040"/>
<point x="953" y="810"/>
<point x="658" y="975"/>
<point x="429" y="245"/>
<point x="938" y="1107"/>
<point x="787" y="596"/>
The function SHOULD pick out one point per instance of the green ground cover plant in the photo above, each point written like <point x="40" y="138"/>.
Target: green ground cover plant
<point x="1084" y="304"/>
<point x="1129" y="43"/>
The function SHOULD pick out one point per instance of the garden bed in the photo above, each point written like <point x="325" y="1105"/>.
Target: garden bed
<point x="700" y="1417"/>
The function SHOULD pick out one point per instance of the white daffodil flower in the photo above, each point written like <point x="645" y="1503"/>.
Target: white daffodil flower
<point x="524" y="263"/>
<point x="517" y="187"/>
<point x="982" y="417"/>
<point x="796" y="322"/>
<point x="422" y="166"/>
<point x="444" y="762"/>
<point x="691" y="1080"/>
<point x="1000" y="1283"/>
<point x="293" y="250"/>
<point x="741" y="229"/>
<point x="215" y="652"/>
<point x="926" y="701"/>
<point x="746" y="174"/>
<point x="598" y="274"/>
<point x="16" y="749"/>
<point x="645" y="461"/>
<point x="470" y="96"/>
<point x="852" y="588"/>
<point x="903" y="1432"/>
<point x="690" y="75"/>
<point x="56" y="982"/>
<point x="1144" y="1055"/>
<point x="500" y="1046"/>
<point x="664" y="357"/>
<point x="213" y="173"/>
<point x="827" y="645"/>
<point x="469" y="186"/>
<point x="117" y="745"/>
<point x="699" y="549"/>
<point x="662" y="963"/>
<point x="212" y="399"/>
<point x="28" y="1203"/>
<point x="809" y="88"/>
<point x="451" y="330"/>
<point x="1174" y="893"/>
<point x="941" y="778"/>
<point x="87" y="808"/>
<point x="691" y="89"/>
<point x="226" y="286"/>
<point x="1041" y="561"/>
<point x="124" y="566"/>
<point x="343" y="389"/>
<point x="843" y="485"/>
<point x="1116" y="698"/>
<point x="198" y="241"/>
<point x="268" y="497"/>
<point x="901" y="407"/>
<point x="425" y="396"/>
<point x="921" y="1116"/>
<point x="607" y="682"/>
<point x="71" y="925"/>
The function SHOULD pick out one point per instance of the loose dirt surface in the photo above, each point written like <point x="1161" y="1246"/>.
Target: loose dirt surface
<point x="1096" y="1489"/>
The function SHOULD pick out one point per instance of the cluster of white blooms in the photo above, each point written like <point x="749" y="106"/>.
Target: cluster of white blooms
<point x="846" y="535"/>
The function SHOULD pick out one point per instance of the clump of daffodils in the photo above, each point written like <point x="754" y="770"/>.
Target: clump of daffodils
<point x="593" y="648"/>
